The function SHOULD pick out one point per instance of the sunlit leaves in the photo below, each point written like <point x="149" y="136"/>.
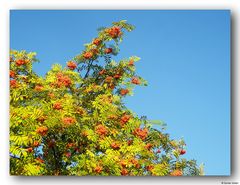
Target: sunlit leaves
<point x="73" y="120"/>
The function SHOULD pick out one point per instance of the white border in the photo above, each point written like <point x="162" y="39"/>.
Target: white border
<point x="6" y="5"/>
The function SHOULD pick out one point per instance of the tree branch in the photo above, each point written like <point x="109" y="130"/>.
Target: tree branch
<point x="88" y="69"/>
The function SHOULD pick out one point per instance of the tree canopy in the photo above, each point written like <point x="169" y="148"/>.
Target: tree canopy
<point x="73" y="121"/>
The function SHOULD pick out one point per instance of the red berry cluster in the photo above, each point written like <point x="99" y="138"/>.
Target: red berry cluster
<point x="135" y="80"/>
<point x="131" y="63"/>
<point x="63" y="80"/>
<point x="13" y="83"/>
<point x="114" y="32"/>
<point x="108" y="79"/>
<point x="57" y="106"/>
<point x="12" y="74"/>
<point x="142" y="133"/>
<point x="98" y="169"/>
<point x="182" y="152"/>
<point x="124" y="119"/>
<point x="135" y="163"/>
<point x="108" y="50"/>
<point x="42" y="130"/>
<point x="51" y="95"/>
<point x="38" y="88"/>
<point x="97" y="41"/>
<point x="123" y="92"/>
<point x="102" y="72"/>
<point x="20" y="62"/>
<point x="35" y="143"/>
<point x="30" y="150"/>
<point x="148" y="146"/>
<point x="115" y="146"/>
<point x="123" y="163"/>
<point x="71" y="65"/>
<point x="176" y="172"/>
<point x="88" y="55"/>
<point x="150" y="167"/>
<point x="117" y="76"/>
<point x="101" y="130"/>
<point x="124" y="171"/>
<point x="68" y="120"/>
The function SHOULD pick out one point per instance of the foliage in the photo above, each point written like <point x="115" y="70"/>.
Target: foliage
<point x="73" y="121"/>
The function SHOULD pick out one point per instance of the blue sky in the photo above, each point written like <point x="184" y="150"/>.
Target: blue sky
<point x="185" y="57"/>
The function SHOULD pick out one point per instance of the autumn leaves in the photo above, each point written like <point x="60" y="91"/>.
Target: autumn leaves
<point x="75" y="121"/>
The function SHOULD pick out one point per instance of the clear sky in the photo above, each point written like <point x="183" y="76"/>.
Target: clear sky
<point x="185" y="58"/>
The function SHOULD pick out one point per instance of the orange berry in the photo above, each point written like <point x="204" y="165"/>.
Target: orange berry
<point x="42" y="130"/>
<point x="150" y="167"/>
<point x="102" y="72"/>
<point x="108" y="50"/>
<point x="68" y="120"/>
<point x="182" y="152"/>
<point x="51" y="95"/>
<point x="71" y="65"/>
<point x="117" y="76"/>
<point x="12" y="74"/>
<point x="136" y="80"/>
<point x="138" y="165"/>
<point x="148" y="146"/>
<point x="124" y="171"/>
<point x="30" y="149"/>
<point x="20" y="62"/>
<point x="123" y="163"/>
<point x="63" y="80"/>
<point x="135" y="162"/>
<point x="176" y="173"/>
<point x="108" y="79"/>
<point x="131" y="63"/>
<point x="111" y="86"/>
<point x="97" y="41"/>
<point x="88" y="55"/>
<point x="123" y="92"/>
<point x="57" y="106"/>
<point x="13" y="83"/>
<point x="125" y="119"/>
<point x="38" y="88"/>
<point x="114" y="32"/>
<point x="35" y="143"/>
<point x="98" y="169"/>
<point x="142" y="133"/>
<point x="70" y="145"/>
<point x="101" y="130"/>
<point x="115" y="146"/>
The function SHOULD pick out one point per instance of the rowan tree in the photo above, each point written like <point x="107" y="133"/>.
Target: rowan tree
<point x="73" y="121"/>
